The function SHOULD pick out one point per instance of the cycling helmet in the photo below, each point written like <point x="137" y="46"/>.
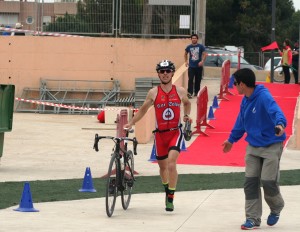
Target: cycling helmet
<point x="165" y="64"/>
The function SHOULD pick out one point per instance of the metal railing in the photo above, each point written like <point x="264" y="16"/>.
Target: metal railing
<point x="143" y="18"/>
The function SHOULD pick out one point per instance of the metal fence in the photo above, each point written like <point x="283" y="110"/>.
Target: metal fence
<point x="136" y="18"/>
<point x="259" y="58"/>
<point x="156" y="18"/>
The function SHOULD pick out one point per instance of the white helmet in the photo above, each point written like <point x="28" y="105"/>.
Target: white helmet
<point x="165" y="64"/>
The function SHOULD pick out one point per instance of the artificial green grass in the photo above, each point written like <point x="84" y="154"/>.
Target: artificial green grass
<point x="64" y="190"/>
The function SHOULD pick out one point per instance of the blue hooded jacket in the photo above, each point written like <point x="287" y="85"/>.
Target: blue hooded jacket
<point x="258" y="116"/>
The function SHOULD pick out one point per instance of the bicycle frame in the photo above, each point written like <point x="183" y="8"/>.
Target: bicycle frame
<point x="119" y="179"/>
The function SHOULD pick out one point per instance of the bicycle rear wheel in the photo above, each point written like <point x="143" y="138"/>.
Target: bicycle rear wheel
<point x="111" y="186"/>
<point x="127" y="180"/>
<point x="278" y="74"/>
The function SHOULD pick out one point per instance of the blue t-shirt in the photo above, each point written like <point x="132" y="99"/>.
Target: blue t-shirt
<point x="195" y="54"/>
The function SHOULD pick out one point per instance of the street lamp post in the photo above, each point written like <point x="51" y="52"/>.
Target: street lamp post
<point x="273" y="38"/>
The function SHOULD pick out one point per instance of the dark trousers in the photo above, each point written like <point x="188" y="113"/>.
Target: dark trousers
<point x="195" y="77"/>
<point x="287" y="76"/>
<point x="295" y="72"/>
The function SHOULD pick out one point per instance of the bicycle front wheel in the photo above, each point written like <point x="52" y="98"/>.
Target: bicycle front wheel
<point x="111" y="186"/>
<point x="278" y="74"/>
<point x="128" y="180"/>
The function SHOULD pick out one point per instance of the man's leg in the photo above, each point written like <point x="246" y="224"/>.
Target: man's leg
<point x="172" y="169"/>
<point x="270" y="179"/>
<point x="198" y="78"/>
<point x="191" y="74"/>
<point x="287" y="76"/>
<point x="253" y="204"/>
<point x="163" y="170"/>
<point x="164" y="175"/>
<point x="168" y="174"/>
<point x="295" y="73"/>
<point x="173" y="177"/>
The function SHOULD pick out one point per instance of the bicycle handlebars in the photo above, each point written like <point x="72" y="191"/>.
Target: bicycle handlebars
<point x="117" y="140"/>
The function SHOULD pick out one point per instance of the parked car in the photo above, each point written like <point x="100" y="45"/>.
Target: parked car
<point x="277" y="67"/>
<point x="216" y="57"/>
<point x="277" y="62"/>
<point x="8" y="33"/>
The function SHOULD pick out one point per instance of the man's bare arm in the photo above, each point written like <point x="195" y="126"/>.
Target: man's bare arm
<point x="185" y="101"/>
<point x="143" y="109"/>
<point x="186" y="58"/>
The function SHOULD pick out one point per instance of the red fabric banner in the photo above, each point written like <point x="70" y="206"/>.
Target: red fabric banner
<point x="271" y="46"/>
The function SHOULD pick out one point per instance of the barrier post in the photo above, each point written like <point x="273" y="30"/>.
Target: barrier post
<point x="202" y="101"/>
<point x="225" y="80"/>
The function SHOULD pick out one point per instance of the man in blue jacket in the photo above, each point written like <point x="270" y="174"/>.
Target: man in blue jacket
<point x="264" y="122"/>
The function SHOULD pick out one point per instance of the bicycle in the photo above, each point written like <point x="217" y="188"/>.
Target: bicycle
<point x="278" y="73"/>
<point x="120" y="175"/>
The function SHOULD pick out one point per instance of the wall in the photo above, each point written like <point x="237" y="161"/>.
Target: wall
<point x="24" y="60"/>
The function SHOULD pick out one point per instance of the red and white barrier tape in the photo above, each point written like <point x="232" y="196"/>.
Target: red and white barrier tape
<point x="66" y="106"/>
<point x="224" y="54"/>
<point x="38" y="32"/>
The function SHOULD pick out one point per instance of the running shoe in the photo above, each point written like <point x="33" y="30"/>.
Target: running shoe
<point x="169" y="206"/>
<point x="272" y="219"/>
<point x="249" y="225"/>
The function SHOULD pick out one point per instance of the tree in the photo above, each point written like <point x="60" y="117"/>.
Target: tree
<point x="248" y="23"/>
<point x="93" y="16"/>
<point x="147" y="18"/>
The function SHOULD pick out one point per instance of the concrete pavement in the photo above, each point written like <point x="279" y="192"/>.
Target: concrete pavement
<point x="209" y="210"/>
<point x="43" y="147"/>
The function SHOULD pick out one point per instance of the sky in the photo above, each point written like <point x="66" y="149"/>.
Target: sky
<point x="296" y="4"/>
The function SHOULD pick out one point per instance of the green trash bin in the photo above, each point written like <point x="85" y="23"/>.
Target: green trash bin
<point x="7" y="97"/>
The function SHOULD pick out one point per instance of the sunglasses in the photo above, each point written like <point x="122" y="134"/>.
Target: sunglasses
<point x="236" y="83"/>
<point x="162" y="71"/>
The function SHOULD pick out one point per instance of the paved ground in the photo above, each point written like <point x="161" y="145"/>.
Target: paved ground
<point x="44" y="147"/>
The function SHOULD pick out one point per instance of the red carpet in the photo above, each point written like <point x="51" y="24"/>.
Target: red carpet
<point x="209" y="150"/>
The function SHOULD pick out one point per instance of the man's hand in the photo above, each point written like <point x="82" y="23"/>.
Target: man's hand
<point x="128" y="126"/>
<point x="279" y="130"/>
<point x="227" y="146"/>
<point x="187" y="118"/>
<point x="201" y="63"/>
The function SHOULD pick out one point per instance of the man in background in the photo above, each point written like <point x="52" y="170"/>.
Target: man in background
<point x="194" y="58"/>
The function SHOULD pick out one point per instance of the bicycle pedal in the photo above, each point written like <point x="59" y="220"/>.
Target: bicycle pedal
<point x="130" y="183"/>
<point x="112" y="186"/>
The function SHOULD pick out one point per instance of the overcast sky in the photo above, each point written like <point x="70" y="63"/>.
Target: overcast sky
<point x="297" y="4"/>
